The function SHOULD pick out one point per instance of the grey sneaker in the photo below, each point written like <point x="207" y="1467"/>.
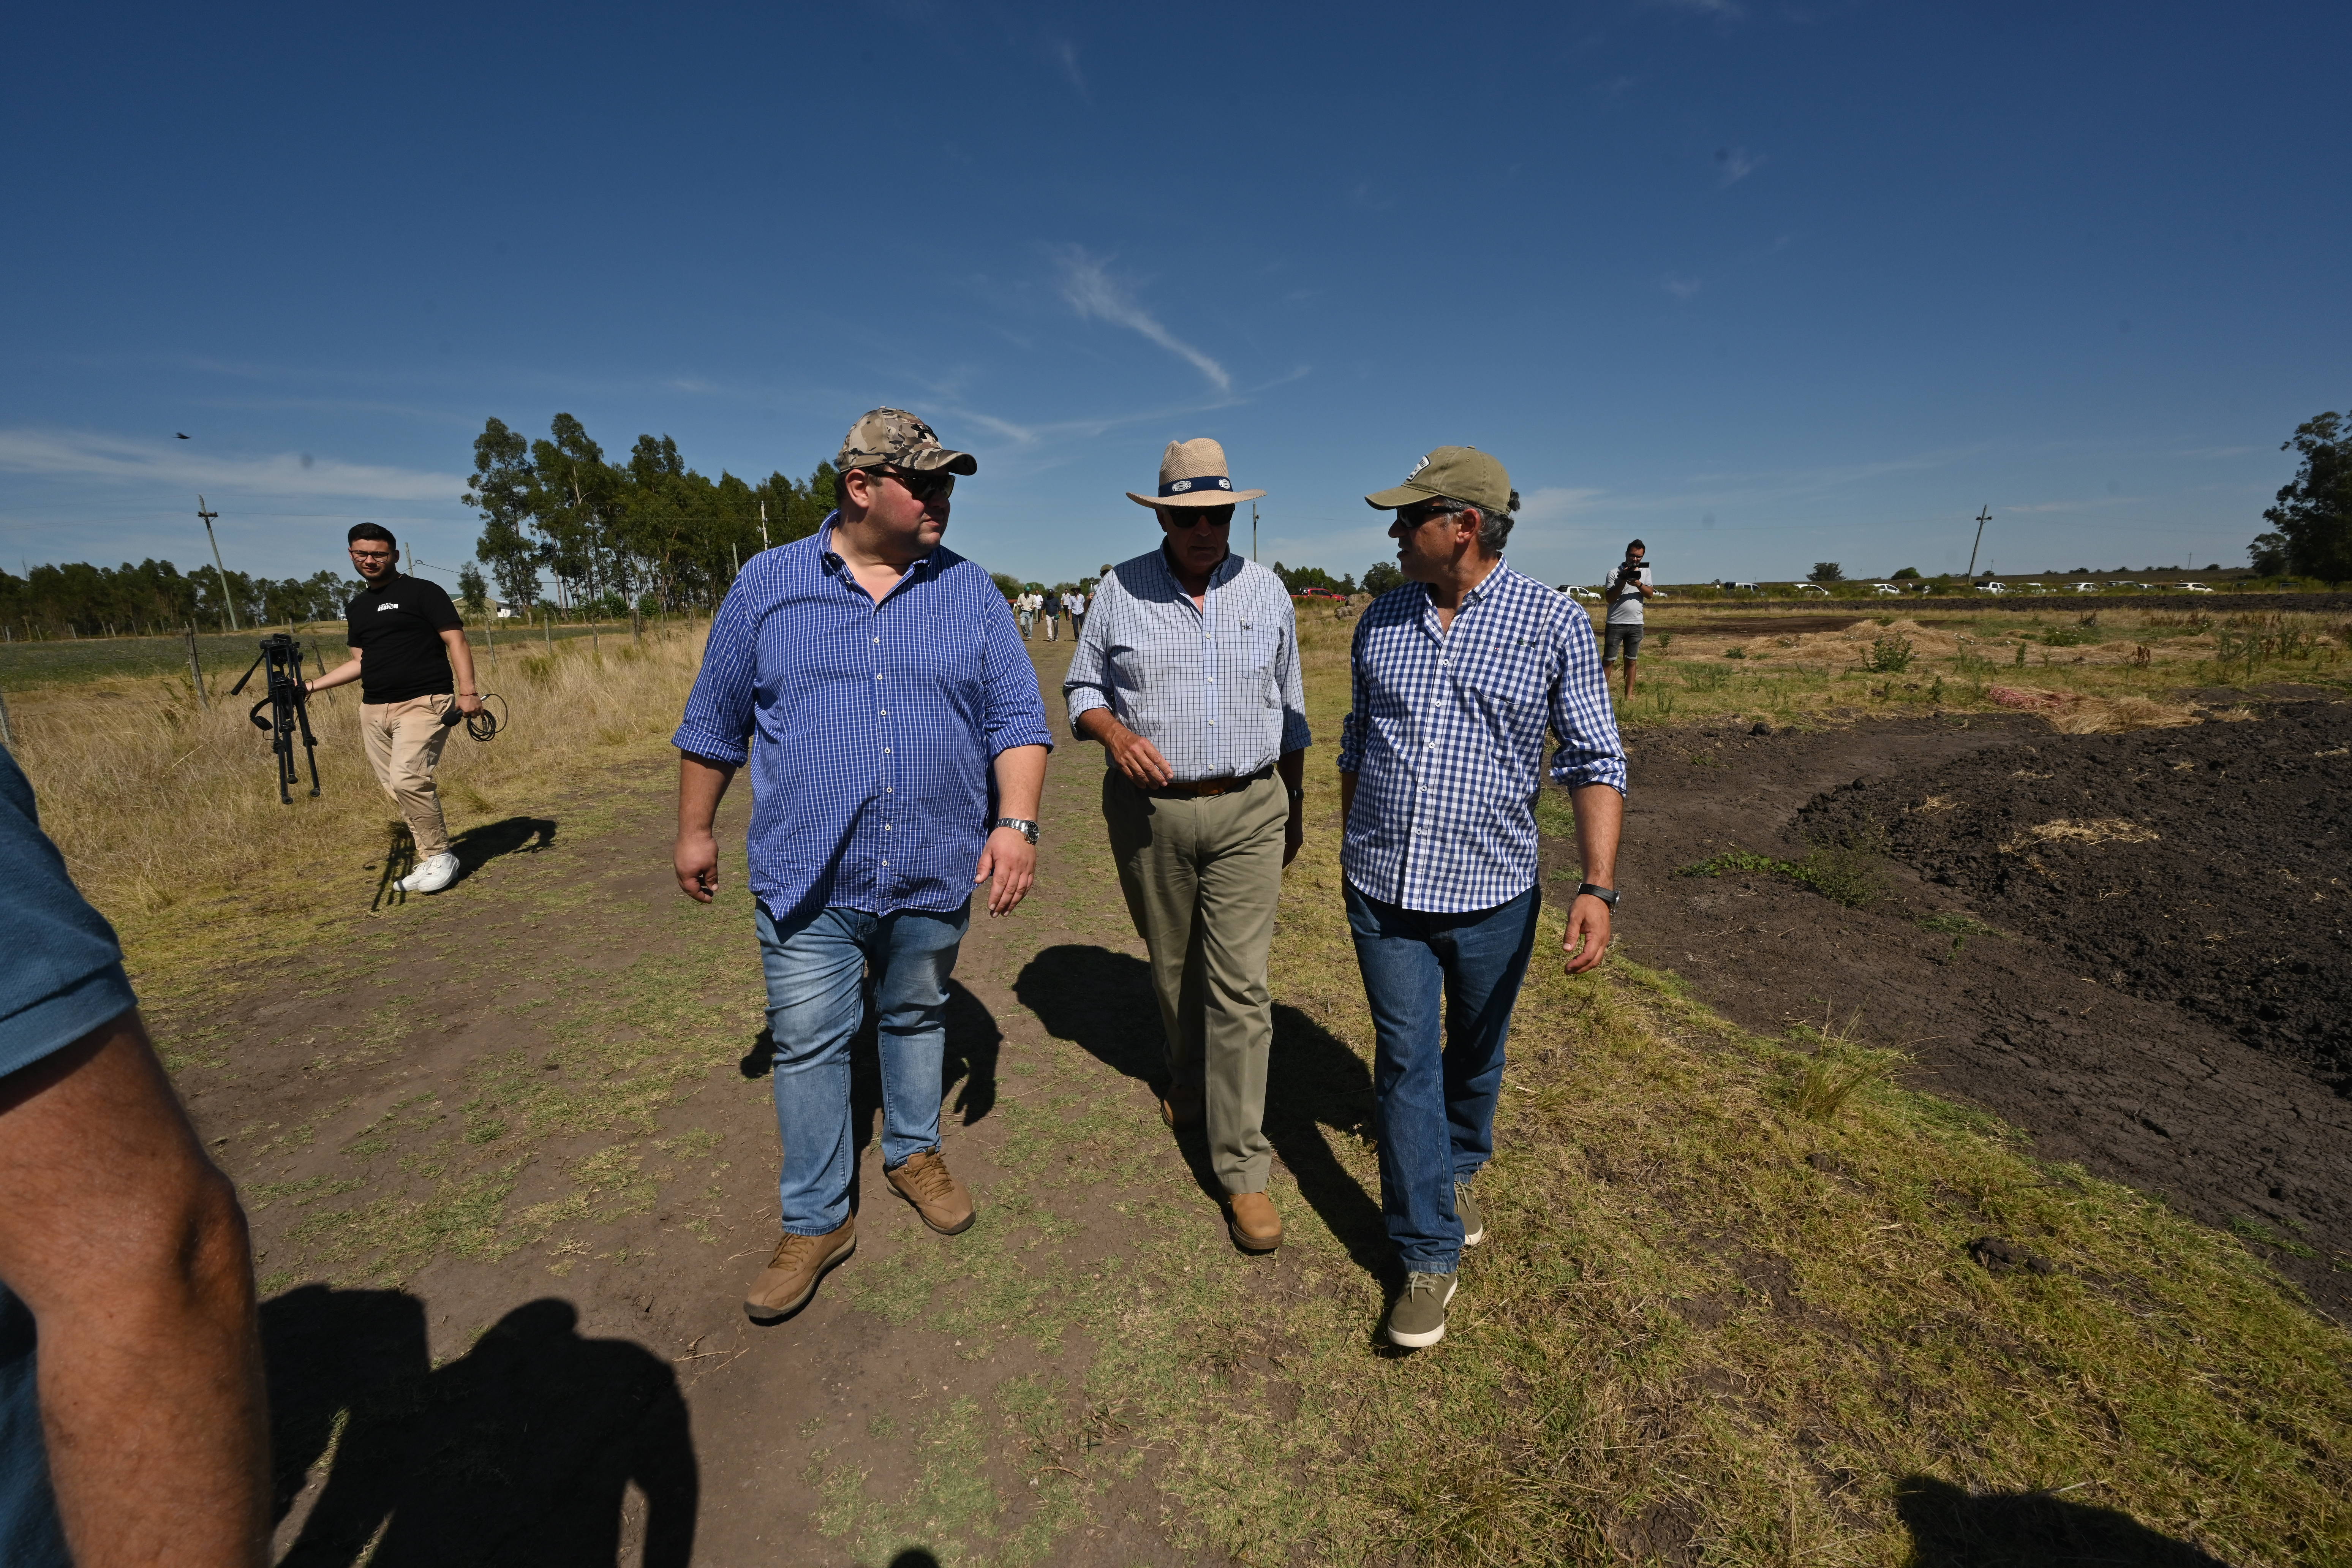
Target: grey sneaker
<point x="1418" y="1316"/>
<point x="1465" y="1209"/>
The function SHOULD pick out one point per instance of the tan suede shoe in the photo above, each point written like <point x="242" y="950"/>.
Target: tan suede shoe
<point x="788" y="1281"/>
<point x="1252" y="1222"/>
<point x="1181" y="1107"/>
<point x="926" y="1182"/>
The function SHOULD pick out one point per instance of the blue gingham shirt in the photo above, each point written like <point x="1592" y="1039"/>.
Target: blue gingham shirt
<point x="1215" y="687"/>
<point x="869" y="728"/>
<point x="1445" y="737"/>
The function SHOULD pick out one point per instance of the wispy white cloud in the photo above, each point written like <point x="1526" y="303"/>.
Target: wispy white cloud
<point x="1096" y="295"/>
<point x="1681" y="287"/>
<point x="91" y="455"/>
<point x="1556" y="504"/>
<point x="1734" y="164"/>
<point x="1064" y="54"/>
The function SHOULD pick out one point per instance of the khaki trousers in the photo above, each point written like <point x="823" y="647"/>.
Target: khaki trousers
<point x="403" y="741"/>
<point x="1202" y="880"/>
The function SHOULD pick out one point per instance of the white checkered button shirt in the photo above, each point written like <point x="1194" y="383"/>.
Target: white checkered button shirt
<point x="1215" y="689"/>
<point x="1445" y="737"/>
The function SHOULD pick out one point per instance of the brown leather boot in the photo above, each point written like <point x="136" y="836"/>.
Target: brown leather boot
<point x="1181" y="1107"/>
<point x="1252" y="1222"/>
<point x="925" y="1182"/>
<point x="788" y="1281"/>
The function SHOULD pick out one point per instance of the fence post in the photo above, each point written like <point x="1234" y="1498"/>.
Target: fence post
<point x="197" y="668"/>
<point x="7" y="731"/>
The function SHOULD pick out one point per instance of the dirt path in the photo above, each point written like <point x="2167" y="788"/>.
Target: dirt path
<point x="511" y="1162"/>
<point x="2132" y="1089"/>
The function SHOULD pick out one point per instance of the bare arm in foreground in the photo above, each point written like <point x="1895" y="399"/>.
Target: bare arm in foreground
<point x="128" y="1246"/>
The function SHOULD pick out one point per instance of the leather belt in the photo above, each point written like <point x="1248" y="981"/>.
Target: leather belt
<point x="1204" y="789"/>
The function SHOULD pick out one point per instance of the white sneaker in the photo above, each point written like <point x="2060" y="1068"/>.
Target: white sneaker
<point x="432" y="876"/>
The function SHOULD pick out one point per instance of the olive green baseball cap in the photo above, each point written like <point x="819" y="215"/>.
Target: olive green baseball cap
<point x="1463" y="473"/>
<point x="895" y="438"/>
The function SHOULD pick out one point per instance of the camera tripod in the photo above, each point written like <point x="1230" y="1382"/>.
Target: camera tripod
<point x="290" y="709"/>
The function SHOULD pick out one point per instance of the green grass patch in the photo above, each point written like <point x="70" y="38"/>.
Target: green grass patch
<point x="1841" y="874"/>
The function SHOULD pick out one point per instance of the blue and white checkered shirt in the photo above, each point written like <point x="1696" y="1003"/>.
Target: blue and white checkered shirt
<point x="870" y="728"/>
<point x="1445" y="737"/>
<point x="1214" y="688"/>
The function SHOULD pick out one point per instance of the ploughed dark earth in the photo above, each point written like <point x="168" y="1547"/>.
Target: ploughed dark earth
<point x="2208" y="868"/>
<point x="2133" y="946"/>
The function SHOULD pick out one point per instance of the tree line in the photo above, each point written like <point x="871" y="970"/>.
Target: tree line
<point x="76" y="599"/>
<point x="647" y="532"/>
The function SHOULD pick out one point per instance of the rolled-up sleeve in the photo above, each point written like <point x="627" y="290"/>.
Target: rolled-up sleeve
<point x="1086" y="686"/>
<point x="1589" y="752"/>
<point x="1295" y="735"/>
<point x="720" y="711"/>
<point x="1016" y="709"/>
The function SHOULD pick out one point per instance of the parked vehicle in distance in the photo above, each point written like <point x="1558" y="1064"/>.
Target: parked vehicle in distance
<point x="1578" y="591"/>
<point x="2088" y="587"/>
<point x="1741" y="587"/>
<point x="2033" y="588"/>
<point x="1884" y="588"/>
<point x="1993" y="587"/>
<point x="2195" y="588"/>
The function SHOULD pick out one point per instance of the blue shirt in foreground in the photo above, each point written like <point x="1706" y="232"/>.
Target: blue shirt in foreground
<point x="63" y="978"/>
<point x="869" y="728"/>
<point x="1445" y="737"/>
<point x="1215" y="689"/>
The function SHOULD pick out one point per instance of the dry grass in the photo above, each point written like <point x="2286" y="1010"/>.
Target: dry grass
<point x="168" y="813"/>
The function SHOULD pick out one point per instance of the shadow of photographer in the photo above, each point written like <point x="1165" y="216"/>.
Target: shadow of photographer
<point x="1952" y="1528"/>
<point x="1103" y="1002"/>
<point x="522" y="1451"/>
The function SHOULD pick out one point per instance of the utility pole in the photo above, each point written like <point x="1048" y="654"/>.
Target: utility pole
<point x="764" y="525"/>
<point x="223" y="571"/>
<point x="1253" y="530"/>
<point x="1983" y="517"/>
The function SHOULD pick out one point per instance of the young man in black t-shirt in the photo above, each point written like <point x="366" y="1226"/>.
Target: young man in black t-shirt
<point x="410" y="657"/>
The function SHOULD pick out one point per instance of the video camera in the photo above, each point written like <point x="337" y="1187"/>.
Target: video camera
<point x="290" y="709"/>
<point x="1627" y="576"/>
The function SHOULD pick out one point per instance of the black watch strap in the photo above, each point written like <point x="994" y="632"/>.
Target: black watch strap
<point x="1606" y="895"/>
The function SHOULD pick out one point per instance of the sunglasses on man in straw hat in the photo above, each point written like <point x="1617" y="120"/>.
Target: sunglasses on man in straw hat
<point x="1194" y="474"/>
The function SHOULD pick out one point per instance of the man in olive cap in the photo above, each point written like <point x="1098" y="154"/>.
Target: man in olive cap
<point x="900" y="751"/>
<point x="1187" y="673"/>
<point x="1457" y="675"/>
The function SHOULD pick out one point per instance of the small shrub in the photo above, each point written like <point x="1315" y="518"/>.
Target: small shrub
<point x="2068" y="637"/>
<point x="1706" y="678"/>
<point x="1735" y="653"/>
<point x="1840" y="874"/>
<point x="1889" y="655"/>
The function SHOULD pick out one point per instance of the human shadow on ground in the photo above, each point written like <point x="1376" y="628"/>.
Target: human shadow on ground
<point x="1103" y="1001"/>
<point x="975" y="1043"/>
<point x="519" y="1452"/>
<point x="478" y="847"/>
<point x="1952" y="1529"/>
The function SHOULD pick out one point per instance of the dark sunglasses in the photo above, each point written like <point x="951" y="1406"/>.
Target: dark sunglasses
<point x="1414" y="516"/>
<point x="924" y="486"/>
<point x="1214" y="516"/>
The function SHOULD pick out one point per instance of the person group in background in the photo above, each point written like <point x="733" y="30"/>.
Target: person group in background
<point x="1026" y="604"/>
<point x="410" y="657"/>
<point x="1052" y="610"/>
<point x="1455" y="676"/>
<point x="897" y="743"/>
<point x="1075" y="601"/>
<point x="132" y="1423"/>
<point x="1188" y="675"/>
<point x="1629" y="586"/>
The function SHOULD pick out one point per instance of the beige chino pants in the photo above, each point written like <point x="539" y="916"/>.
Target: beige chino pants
<point x="403" y="741"/>
<point x="1202" y="880"/>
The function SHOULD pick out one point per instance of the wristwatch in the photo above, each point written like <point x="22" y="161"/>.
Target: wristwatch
<point x="1606" y="895"/>
<point x="1020" y="825"/>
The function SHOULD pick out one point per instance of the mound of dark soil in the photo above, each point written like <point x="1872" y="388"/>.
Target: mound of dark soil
<point x="2208" y="869"/>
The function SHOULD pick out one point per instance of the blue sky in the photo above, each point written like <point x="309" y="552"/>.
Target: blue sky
<point x="1763" y="283"/>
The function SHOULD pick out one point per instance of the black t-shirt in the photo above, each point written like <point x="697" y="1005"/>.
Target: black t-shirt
<point x="397" y="626"/>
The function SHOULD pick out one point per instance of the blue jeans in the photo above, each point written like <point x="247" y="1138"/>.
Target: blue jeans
<point x="816" y="967"/>
<point x="1434" y="1100"/>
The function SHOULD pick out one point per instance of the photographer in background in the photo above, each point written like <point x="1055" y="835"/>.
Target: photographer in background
<point x="410" y="657"/>
<point x="1628" y="586"/>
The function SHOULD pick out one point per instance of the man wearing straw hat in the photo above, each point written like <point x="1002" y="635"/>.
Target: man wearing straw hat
<point x="1187" y="673"/>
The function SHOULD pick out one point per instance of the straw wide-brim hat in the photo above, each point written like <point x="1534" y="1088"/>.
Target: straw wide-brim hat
<point x="1193" y="473"/>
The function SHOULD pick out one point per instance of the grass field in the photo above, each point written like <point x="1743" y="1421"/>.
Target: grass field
<point x="1729" y="1314"/>
<point x="31" y="666"/>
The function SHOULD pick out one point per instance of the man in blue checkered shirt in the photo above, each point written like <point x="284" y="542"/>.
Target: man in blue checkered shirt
<point x="1457" y="676"/>
<point x="874" y="681"/>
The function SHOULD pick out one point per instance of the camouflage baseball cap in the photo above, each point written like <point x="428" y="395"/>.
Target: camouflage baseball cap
<point x="1465" y="473"/>
<point x="895" y="438"/>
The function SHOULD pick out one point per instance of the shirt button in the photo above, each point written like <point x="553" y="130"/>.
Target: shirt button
<point x="877" y="639"/>
<point x="889" y="790"/>
<point x="886" y="827"/>
<point x="877" y="674"/>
